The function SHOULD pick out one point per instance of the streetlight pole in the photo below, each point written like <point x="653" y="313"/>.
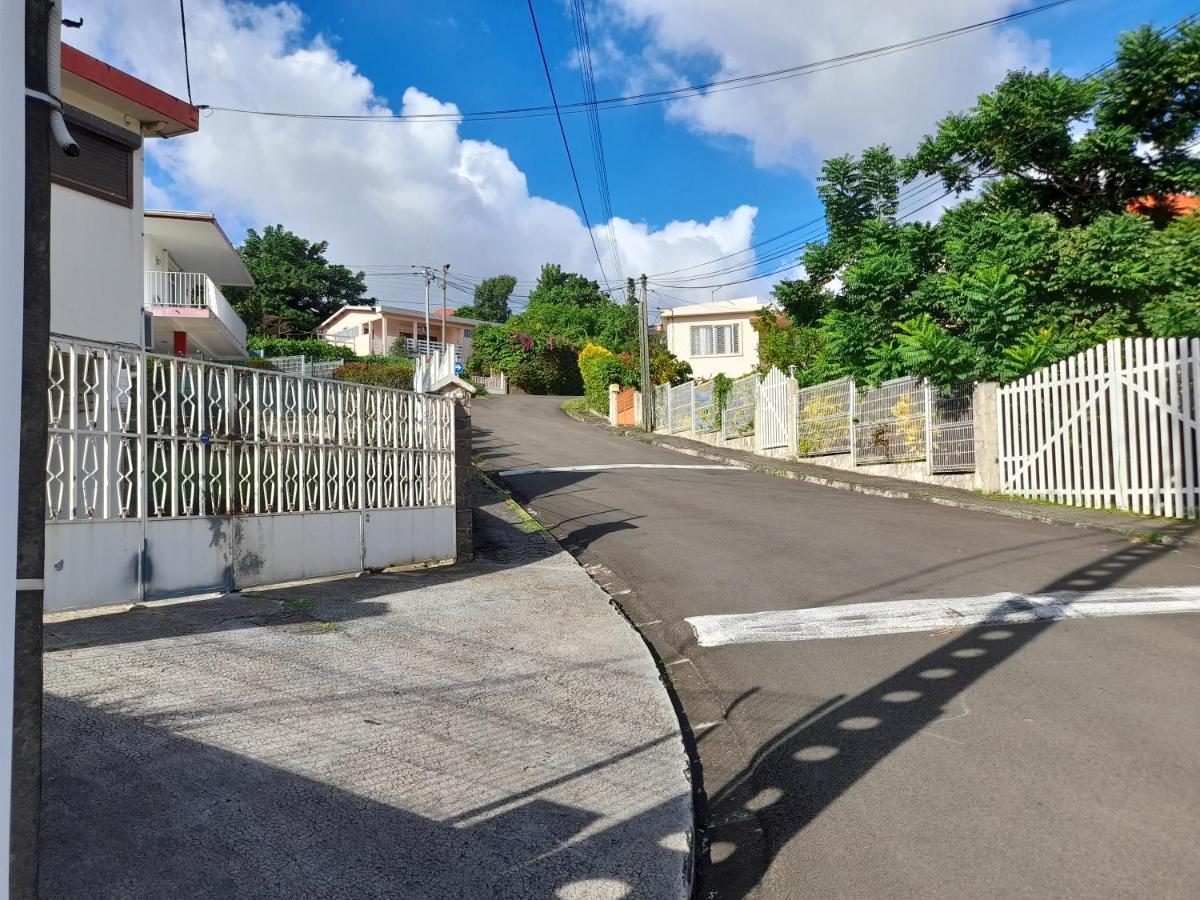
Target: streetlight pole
<point x="428" y="276"/>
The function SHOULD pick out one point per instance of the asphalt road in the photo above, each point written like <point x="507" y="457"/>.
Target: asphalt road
<point x="1056" y="759"/>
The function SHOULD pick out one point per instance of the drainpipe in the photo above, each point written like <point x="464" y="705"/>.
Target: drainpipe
<point x="58" y="127"/>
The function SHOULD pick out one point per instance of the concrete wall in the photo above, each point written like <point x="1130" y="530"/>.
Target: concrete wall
<point x="96" y="264"/>
<point x="677" y="334"/>
<point x="123" y="561"/>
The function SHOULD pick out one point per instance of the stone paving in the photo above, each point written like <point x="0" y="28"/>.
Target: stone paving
<point x="493" y="729"/>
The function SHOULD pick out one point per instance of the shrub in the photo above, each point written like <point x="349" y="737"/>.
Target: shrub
<point x="391" y="375"/>
<point x="313" y="349"/>
<point x="255" y="362"/>
<point x="553" y="369"/>
<point x="600" y="368"/>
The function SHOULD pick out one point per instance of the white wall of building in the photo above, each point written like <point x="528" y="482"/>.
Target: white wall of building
<point x="677" y="333"/>
<point x="96" y="264"/>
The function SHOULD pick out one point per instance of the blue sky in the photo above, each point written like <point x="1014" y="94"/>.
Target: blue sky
<point x="689" y="182"/>
<point x="482" y="55"/>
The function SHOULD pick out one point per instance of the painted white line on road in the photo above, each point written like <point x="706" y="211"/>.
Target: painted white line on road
<point x="896" y="617"/>
<point x="602" y="467"/>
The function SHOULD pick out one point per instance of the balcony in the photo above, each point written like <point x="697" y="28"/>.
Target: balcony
<point x="190" y="302"/>
<point x="418" y="347"/>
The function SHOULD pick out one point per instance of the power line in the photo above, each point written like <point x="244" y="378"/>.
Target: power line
<point x="187" y="71"/>
<point x="587" y="76"/>
<point x="667" y="95"/>
<point x="566" y="144"/>
<point x="912" y="192"/>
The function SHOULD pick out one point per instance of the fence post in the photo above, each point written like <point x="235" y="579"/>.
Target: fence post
<point x="793" y="407"/>
<point x="853" y="409"/>
<point x="758" y="416"/>
<point x="928" y="427"/>
<point x="694" y="429"/>
<point x="1115" y="388"/>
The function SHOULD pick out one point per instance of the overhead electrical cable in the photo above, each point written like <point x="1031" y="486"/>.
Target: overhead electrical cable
<point x="666" y="95"/>
<point x="566" y="144"/>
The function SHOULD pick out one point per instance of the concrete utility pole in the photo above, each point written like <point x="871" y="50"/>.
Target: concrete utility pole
<point x="428" y="276"/>
<point x="25" y="260"/>
<point x="644" y="354"/>
<point x="445" y="271"/>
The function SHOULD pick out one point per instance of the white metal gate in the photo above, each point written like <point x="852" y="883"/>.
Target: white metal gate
<point x="168" y="476"/>
<point x="774" y="413"/>
<point x="1114" y="426"/>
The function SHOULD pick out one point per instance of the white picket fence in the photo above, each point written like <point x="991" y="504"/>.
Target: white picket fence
<point x="1114" y="426"/>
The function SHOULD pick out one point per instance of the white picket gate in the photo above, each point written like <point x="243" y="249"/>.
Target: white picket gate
<point x="774" y="414"/>
<point x="1114" y="426"/>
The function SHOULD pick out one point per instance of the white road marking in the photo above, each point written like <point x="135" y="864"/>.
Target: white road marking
<point x="606" y="466"/>
<point x="896" y="617"/>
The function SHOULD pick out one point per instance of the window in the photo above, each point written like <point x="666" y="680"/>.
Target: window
<point x="104" y="166"/>
<point x="716" y="340"/>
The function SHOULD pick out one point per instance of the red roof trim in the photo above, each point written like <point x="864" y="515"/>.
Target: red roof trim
<point x="125" y="85"/>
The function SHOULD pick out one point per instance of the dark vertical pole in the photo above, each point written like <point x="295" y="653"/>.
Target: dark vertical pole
<point x="644" y="353"/>
<point x="31" y="515"/>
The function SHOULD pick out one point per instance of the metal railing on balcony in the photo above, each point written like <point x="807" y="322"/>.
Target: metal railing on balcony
<point x="193" y="290"/>
<point x="178" y="289"/>
<point x="421" y="347"/>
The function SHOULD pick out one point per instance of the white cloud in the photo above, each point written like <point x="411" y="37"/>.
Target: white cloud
<point x="379" y="193"/>
<point x="799" y="122"/>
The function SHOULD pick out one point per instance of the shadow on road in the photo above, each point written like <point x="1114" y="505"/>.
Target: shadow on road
<point x="809" y="765"/>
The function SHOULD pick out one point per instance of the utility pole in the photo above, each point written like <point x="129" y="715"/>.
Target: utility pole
<point x="445" y="271"/>
<point x="25" y="37"/>
<point x="644" y="354"/>
<point x="428" y="276"/>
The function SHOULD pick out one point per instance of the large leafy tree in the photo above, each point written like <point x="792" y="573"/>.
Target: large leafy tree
<point x="295" y="286"/>
<point x="1052" y="254"/>
<point x="491" y="299"/>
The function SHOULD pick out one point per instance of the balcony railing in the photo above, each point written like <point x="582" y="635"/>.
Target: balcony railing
<point x="193" y="290"/>
<point x="421" y="347"/>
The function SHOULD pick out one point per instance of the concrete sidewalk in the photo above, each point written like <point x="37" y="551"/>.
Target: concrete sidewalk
<point x="1167" y="531"/>
<point x="494" y="729"/>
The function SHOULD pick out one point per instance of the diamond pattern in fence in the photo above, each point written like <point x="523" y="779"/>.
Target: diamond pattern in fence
<point x="133" y="434"/>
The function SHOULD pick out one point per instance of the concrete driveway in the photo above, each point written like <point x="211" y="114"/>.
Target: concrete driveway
<point x="1054" y="759"/>
<point x="493" y="729"/>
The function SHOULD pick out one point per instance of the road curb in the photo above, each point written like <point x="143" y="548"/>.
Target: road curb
<point x="1132" y="531"/>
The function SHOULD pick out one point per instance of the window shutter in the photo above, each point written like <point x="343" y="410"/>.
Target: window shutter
<point x="696" y="340"/>
<point x="735" y="338"/>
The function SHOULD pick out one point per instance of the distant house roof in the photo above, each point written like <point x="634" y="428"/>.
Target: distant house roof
<point x="1171" y="206"/>
<point x="384" y="309"/>
<point x="198" y="243"/>
<point x="714" y="308"/>
<point x="160" y="113"/>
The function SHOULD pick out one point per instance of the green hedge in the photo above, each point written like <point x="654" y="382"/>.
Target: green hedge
<point x="313" y="349"/>
<point x="391" y="375"/>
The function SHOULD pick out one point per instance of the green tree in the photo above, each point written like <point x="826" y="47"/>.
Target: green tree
<point x="491" y="300"/>
<point x="1143" y="112"/>
<point x="556" y="286"/>
<point x="293" y="282"/>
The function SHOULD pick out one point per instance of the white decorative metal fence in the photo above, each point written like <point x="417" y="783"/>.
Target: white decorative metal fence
<point x="679" y="407"/>
<point x="707" y="408"/>
<point x="825" y="418"/>
<point x="136" y="438"/>
<point x="774" y="413"/>
<point x="890" y="423"/>
<point x="952" y="428"/>
<point x="1114" y="426"/>
<point x="737" y="419"/>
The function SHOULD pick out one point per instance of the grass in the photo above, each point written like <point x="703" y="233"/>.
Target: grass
<point x="297" y="605"/>
<point x="526" y="522"/>
<point x="575" y="405"/>
<point x="329" y="627"/>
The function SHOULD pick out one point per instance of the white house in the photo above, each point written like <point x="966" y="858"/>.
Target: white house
<point x="714" y="338"/>
<point x="188" y="259"/>
<point x="374" y="330"/>
<point x="119" y="274"/>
